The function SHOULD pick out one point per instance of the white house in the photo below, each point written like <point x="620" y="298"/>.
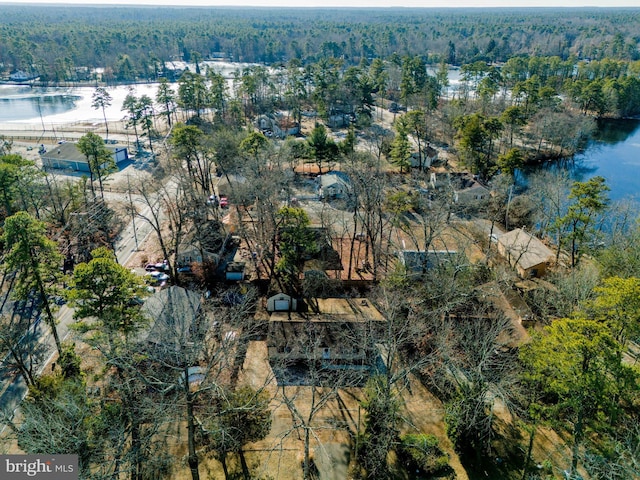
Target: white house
<point x="334" y="185"/>
<point x="20" y="76"/>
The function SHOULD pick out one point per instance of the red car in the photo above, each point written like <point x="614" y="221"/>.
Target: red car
<point x="224" y="202"/>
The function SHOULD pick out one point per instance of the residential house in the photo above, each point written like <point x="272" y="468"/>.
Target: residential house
<point x="277" y="124"/>
<point x="419" y="262"/>
<point x="203" y="244"/>
<point x="325" y="258"/>
<point x="424" y="159"/>
<point x="21" y="76"/>
<point x="188" y="254"/>
<point x="334" y="185"/>
<point x="527" y="254"/>
<point x="341" y="116"/>
<point x="67" y="156"/>
<point x="341" y="335"/>
<point x="172" y="314"/>
<point x="471" y="194"/>
<point x="229" y="185"/>
<point x="465" y="188"/>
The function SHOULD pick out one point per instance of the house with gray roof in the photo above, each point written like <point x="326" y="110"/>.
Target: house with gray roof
<point x="424" y="159"/>
<point x="67" y="156"/>
<point x="334" y="185"/>
<point x="172" y="315"/>
<point x="419" y="262"/>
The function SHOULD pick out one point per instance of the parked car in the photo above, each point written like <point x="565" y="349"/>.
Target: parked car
<point x="158" y="278"/>
<point x="157" y="267"/>
<point x="224" y="201"/>
<point x="161" y="277"/>
<point x="396" y="107"/>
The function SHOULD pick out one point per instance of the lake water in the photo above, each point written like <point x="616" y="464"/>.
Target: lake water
<point x="21" y="104"/>
<point x="614" y="154"/>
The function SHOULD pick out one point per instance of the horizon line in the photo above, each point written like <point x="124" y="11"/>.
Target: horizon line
<point x="324" y="6"/>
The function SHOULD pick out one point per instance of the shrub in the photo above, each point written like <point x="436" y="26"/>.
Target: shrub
<point x="421" y="453"/>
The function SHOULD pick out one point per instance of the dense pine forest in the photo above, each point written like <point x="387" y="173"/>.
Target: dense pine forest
<point x="54" y="40"/>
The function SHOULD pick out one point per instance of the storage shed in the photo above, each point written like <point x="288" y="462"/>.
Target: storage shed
<point x="282" y="303"/>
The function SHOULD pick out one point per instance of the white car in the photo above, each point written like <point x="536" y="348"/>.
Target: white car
<point x="159" y="276"/>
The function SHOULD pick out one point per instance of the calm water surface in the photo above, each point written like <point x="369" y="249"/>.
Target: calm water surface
<point x="613" y="154"/>
<point x="34" y="106"/>
<point x="26" y="105"/>
<point x="23" y="103"/>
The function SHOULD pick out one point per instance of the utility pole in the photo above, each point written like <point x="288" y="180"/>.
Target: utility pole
<point x="506" y="215"/>
<point x="133" y="213"/>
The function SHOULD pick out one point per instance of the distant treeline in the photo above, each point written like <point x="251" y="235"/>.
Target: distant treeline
<point x="60" y="42"/>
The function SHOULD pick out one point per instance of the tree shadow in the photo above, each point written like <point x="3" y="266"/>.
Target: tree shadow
<point x="505" y="460"/>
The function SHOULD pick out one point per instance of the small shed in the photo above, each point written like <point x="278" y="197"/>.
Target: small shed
<point x="524" y="252"/>
<point x="282" y="303"/>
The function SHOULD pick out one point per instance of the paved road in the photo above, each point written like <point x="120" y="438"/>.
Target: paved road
<point x="13" y="388"/>
<point x="130" y="240"/>
<point x="12" y="384"/>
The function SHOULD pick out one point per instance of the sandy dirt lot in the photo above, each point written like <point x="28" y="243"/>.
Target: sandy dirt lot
<point x="280" y="455"/>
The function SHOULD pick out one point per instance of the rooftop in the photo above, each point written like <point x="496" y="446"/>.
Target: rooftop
<point x="171" y="312"/>
<point x="525" y="249"/>
<point x="69" y="151"/>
